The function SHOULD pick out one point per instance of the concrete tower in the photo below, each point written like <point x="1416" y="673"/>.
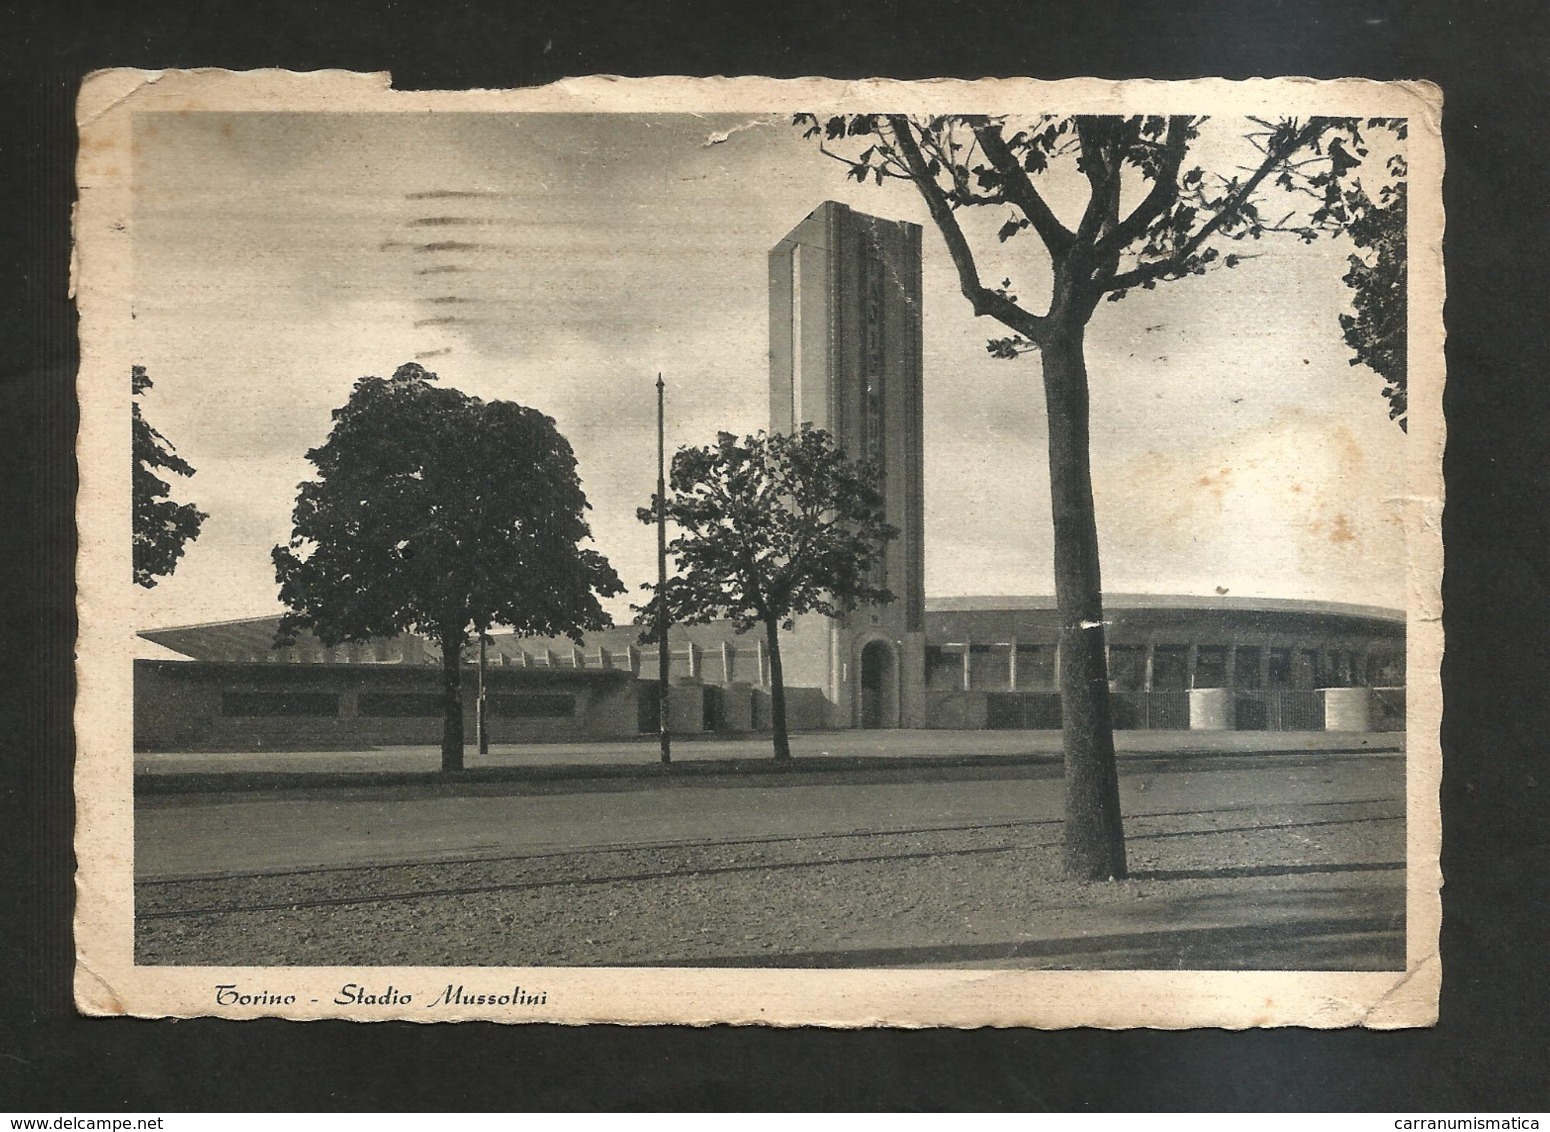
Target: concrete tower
<point x="845" y="355"/>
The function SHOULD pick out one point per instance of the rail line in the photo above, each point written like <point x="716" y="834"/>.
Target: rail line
<point x="295" y="904"/>
<point x="677" y="843"/>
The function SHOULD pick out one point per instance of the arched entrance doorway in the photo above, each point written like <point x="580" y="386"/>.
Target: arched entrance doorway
<point x="879" y="707"/>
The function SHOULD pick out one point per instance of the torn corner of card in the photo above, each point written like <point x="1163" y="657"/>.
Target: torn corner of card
<point x="389" y="399"/>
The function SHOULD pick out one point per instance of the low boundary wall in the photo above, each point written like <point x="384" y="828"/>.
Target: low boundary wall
<point x="1210" y="709"/>
<point x="215" y="706"/>
<point x="235" y="706"/>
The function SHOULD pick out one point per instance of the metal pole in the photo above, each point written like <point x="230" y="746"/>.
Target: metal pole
<point x="479" y="726"/>
<point x="664" y="659"/>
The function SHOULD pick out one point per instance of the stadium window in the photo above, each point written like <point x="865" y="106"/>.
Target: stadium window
<point x="1035" y="666"/>
<point x="1388" y="669"/>
<point x="1127" y="668"/>
<point x="324" y="704"/>
<point x="944" y="669"/>
<point x="1245" y="669"/>
<point x="1211" y="666"/>
<point x="1170" y="668"/>
<point x="1279" y="670"/>
<point x="989" y="667"/>
<point x="531" y="705"/>
<point x="399" y="705"/>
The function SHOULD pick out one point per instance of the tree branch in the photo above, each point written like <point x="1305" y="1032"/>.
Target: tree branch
<point x="1103" y="199"/>
<point x="1165" y="191"/>
<point x="1274" y="156"/>
<point x="962" y="192"/>
<point x="982" y="299"/>
<point x="1021" y="191"/>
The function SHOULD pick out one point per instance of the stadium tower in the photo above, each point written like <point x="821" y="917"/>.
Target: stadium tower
<point x="845" y="355"/>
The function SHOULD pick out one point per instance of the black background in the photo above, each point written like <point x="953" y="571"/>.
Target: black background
<point x="1491" y="1050"/>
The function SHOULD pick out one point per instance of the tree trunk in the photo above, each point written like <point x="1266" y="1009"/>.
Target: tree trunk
<point x="481" y="722"/>
<point x="452" y="701"/>
<point x="777" y="692"/>
<point x="1094" y="835"/>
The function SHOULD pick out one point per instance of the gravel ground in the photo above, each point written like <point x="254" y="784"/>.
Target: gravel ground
<point x="1310" y="886"/>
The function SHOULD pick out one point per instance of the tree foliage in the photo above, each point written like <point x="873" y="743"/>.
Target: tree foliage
<point x="1312" y="177"/>
<point x="443" y="514"/>
<point x="1376" y="331"/>
<point x="770" y="527"/>
<point x="1151" y="212"/>
<point x="162" y="529"/>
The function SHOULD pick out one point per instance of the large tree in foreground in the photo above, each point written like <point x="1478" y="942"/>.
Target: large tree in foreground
<point x="161" y="528"/>
<point x="1375" y="330"/>
<point x="770" y="527"/>
<point x="1148" y="213"/>
<point x="443" y="514"/>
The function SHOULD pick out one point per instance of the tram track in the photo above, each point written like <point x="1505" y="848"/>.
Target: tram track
<point x="589" y="880"/>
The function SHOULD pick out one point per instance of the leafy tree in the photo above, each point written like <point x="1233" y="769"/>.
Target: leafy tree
<point x="1376" y="332"/>
<point x="162" y="528"/>
<point x="771" y="527"/>
<point x="1150" y="214"/>
<point x="440" y="513"/>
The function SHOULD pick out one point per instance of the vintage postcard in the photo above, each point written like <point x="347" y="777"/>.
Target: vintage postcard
<point x="778" y="552"/>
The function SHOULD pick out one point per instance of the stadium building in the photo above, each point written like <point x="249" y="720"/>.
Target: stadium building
<point x="845" y="355"/>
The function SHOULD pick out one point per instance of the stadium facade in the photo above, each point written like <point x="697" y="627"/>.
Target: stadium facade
<point x="845" y="355"/>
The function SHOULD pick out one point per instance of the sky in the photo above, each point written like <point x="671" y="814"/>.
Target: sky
<point x="563" y="260"/>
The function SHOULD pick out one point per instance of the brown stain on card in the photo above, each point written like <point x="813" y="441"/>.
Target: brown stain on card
<point x="1216" y="483"/>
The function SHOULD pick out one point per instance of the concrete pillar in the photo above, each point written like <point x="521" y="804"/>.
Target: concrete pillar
<point x="967" y="652"/>
<point x="1149" y="663"/>
<point x="1347" y="709"/>
<point x="1211" y="709"/>
<point x="1011" y="665"/>
<point x="726" y="664"/>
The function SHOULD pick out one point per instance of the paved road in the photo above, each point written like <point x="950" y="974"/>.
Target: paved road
<point x="892" y="744"/>
<point x="219" y="834"/>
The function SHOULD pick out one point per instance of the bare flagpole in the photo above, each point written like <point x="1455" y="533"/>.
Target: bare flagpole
<point x="663" y="656"/>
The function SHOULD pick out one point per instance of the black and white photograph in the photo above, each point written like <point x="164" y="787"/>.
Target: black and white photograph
<point x="746" y="551"/>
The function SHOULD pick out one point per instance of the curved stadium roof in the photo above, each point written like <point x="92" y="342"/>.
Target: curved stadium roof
<point x="977" y="602"/>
